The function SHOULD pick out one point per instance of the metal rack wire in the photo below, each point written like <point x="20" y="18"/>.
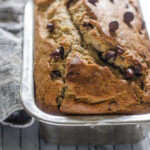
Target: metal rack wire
<point x="30" y="139"/>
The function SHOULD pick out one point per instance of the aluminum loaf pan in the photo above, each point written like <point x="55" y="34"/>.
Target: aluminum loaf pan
<point x="98" y="129"/>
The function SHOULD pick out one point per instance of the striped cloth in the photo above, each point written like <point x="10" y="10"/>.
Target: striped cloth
<point x="11" y="37"/>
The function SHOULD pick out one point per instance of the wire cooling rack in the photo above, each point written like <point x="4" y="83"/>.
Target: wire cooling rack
<point x="30" y="139"/>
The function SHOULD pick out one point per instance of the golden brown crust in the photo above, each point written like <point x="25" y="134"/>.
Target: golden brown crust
<point x="70" y="69"/>
<point x="47" y="90"/>
<point x="41" y="2"/>
<point x="96" y="83"/>
<point x="130" y="36"/>
<point x="70" y="106"/>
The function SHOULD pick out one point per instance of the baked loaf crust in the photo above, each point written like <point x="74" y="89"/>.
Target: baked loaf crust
<point x="91" y="57"/>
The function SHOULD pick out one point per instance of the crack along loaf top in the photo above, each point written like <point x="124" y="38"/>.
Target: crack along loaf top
<point x="91" y="57"/>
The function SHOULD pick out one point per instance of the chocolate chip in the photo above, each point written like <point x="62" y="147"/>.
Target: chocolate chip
<point x="58" y="53"/>
<point x="128" y="17"/>
<point x="113" y="26"/>
<point x="112" y="105"/>
<point x="109" y="55"/>
<point x="119" y="51"/>
<point x="55" y="53"/>
<point x="142" y="85"/>
<point x="55" y="74"/>
<point x="69" y="3"/>
<point x="100" y="55"/>
<point x="143" y="25"/>
<point x="50" y="27"/>
<point x="138" y="69"/>
<point x="61" y="52"/>
<point x="129" y="73"/>
<point x="87" y="24"/>
<point x="92" y="1"/>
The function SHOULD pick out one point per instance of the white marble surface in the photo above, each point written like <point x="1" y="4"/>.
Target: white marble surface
<point x="29" y="139"/>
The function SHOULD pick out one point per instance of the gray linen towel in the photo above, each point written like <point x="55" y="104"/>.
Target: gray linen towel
<point x="11" y="34"/>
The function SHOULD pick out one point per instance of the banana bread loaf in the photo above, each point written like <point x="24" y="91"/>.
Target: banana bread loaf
<point x="91" y="57"/>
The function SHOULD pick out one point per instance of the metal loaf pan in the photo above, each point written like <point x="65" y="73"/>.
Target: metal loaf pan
<point x="100" y="129"/>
